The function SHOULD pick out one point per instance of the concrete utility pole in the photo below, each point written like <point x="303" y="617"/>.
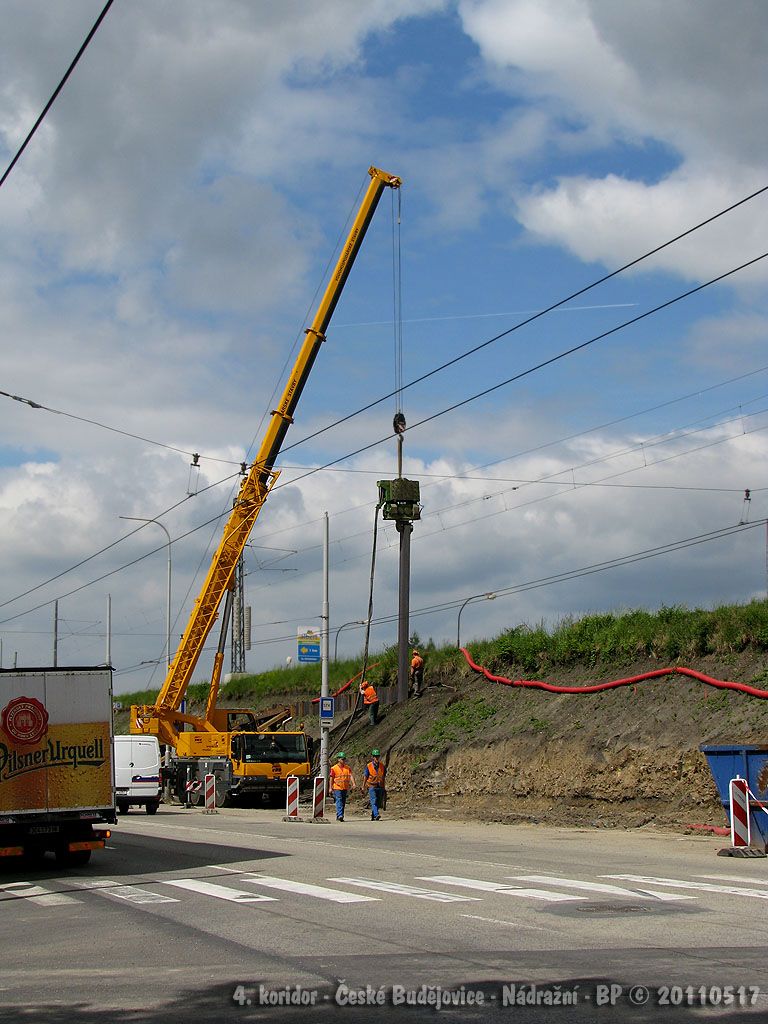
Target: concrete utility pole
<point x="399" y="501"/>
<point x="326" y="623"/>
<point x="55" y="633"/>
<point x="109" y="630"/>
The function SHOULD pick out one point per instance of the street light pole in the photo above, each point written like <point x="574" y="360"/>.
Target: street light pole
<point x="353" y="622"/>
<point x="475" y="597"/>
<point x="142" y="519"/>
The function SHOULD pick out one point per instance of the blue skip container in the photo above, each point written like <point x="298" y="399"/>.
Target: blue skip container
<point x="750" y="763"/>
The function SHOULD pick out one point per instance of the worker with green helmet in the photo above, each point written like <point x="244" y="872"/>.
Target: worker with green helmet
<point x="342" y="780"/>
<point x="373" y="780"/>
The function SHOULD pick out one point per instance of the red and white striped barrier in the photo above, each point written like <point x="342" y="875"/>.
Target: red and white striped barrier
<point x="318" y="799"/>
<point x="739" y="798"/>
<point x="292" y="797"/>
<point x="210" y="794"/>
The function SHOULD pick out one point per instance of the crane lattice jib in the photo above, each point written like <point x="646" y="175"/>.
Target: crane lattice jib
<point x="260" y="479"/>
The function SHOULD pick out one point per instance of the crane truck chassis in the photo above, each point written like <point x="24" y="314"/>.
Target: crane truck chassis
<point x="239" y="758"/>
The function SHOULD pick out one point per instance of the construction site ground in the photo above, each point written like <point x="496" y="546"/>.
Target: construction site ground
<point x="622" y="758"/>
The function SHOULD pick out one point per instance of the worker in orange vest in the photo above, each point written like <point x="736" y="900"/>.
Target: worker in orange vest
<point x="342" y="780"/>
<point x="373" y="781"/>
<point x="370" y="701"/>
<point x="417" y="673"/>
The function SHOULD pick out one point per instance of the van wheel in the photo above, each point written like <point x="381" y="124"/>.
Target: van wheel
<point x="122" y="807"/>
<point x="152" y="807"/>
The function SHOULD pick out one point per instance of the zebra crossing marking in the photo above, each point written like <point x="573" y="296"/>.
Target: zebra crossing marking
<point x="609" y="890"/>
<point x="220" y="892"/>
<point x="676" y="883"/>
<point x="35" y="894"/>
<point x="319" y="892"/>
<point x="500" y="887"/>
<point x="401" y="889"/>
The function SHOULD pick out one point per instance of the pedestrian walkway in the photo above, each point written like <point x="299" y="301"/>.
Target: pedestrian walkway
<point x="261" y="890"/>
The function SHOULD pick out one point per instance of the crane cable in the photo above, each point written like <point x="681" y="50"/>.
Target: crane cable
<point x="338" y="743"/>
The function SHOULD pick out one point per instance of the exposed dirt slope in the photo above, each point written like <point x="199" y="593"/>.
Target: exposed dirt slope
<point x="626" y="757"/>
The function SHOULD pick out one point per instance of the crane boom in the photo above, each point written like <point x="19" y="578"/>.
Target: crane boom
<point x="161" y="718"/>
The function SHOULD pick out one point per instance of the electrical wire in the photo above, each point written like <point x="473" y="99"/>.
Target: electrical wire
<point x="484" y="392"/>
<point x="538" y="315"/>
<point x="56" y="91"/>
<point x="516" y="455"/>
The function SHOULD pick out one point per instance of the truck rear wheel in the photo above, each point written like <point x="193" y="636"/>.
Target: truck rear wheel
<point x="72" y="858"/>
<point x="122" y="807"/>
<point x="152" y="806"/>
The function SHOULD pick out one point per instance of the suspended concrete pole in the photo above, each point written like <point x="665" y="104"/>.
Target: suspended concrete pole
<point x="399" y="501"/>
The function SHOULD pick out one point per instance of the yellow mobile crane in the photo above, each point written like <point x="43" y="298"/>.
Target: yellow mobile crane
<point x="246" y="753"/>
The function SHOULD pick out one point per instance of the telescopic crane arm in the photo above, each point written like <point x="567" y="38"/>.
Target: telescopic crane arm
<point x="160" y="718"/>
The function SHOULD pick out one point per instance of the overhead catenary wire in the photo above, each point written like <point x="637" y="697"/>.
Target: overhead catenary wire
<point x="56" y="92"/>
<point x="401" y="387"/>
<point x="571" y="486"/>
<point x="507" y="458"/>
<point x="512" y="379"/>
<point x="543" y="312"/>
<point x="671" y="547"/>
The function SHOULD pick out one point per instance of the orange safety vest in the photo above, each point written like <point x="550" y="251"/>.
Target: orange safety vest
<point x="375" y="774"/>
<point x="341" y="776"/>
<point x="417" y="662"/>
<point x="369" y="695"/>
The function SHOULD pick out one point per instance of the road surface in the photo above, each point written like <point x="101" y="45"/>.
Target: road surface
<point x="223" y="917"/>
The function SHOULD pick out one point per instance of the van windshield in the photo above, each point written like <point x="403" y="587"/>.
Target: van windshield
<point x="272" y="747"/>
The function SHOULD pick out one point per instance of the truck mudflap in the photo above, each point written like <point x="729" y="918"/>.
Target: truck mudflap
<point x="97" y="843"/>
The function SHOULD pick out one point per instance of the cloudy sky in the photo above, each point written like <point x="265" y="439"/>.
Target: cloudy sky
<point x="164" y="237"/>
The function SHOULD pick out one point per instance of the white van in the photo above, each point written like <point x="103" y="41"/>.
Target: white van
<point x="137" y="772"/>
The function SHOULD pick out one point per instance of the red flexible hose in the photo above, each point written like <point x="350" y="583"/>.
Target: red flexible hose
<point x="722" y="684"/>
<point x="346" y="686"/>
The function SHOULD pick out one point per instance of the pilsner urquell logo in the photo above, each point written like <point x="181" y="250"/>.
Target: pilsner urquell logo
<point x="25" y="720"/>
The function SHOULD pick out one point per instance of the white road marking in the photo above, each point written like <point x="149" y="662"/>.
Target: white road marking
<point x="131" y="894"/>
<point x="36" y="894"/>
<point x="571" y="883"/>
<point x="609" y="890"/>
<point x="507" y="890"/>
<point x="675" y="883"/>
<point x="508" y="924"/>
<point x="406" y="890"/>
<point x="735" y="878"/>
<point x="320" y="892"/>
<point x="221" y="892"/>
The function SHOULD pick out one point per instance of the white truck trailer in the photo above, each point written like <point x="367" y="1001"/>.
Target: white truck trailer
<point x="56" y="763"/>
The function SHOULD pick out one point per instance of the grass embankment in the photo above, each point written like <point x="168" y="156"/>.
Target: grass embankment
<point x="603" y="643"/>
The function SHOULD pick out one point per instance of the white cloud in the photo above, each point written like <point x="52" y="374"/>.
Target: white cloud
<point x="686" y="76"/>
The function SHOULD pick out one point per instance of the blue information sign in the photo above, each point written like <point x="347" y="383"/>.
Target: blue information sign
<point x="308" y="646"/>
<point x="327" y="709"/>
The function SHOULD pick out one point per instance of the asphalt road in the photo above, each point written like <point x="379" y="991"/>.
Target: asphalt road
<point x="198" y="917"/>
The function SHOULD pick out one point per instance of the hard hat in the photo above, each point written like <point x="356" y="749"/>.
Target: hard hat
<point x="375" y="753"/>
<point x="341" y="756"/>
<point x="415" y="650"/>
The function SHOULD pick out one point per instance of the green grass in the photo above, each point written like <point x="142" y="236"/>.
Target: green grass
<point x="670" y="634"/>
<point x="608" y="640"/>
<point x="462" y="718"/>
